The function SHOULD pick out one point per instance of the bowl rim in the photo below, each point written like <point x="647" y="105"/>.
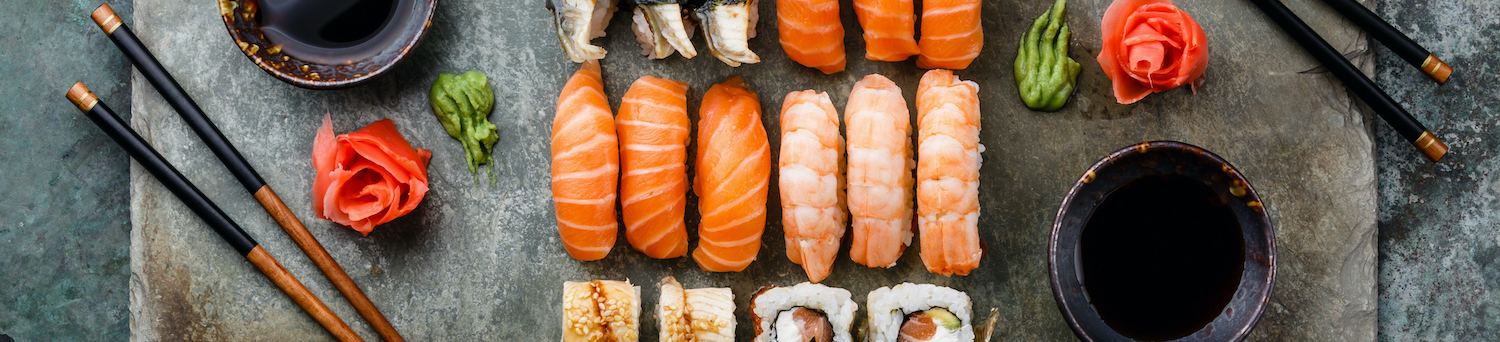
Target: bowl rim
<point x="425" y="11"/>
<point x="1072" y="301"/>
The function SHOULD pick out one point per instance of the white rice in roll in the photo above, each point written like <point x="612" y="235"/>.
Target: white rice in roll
<point x="888" y="308"/>
<point x="834" y="303"/>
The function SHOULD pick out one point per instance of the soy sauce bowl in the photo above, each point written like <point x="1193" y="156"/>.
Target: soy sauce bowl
<point x="1164" y="159"/>
<point x="410" y="22"/>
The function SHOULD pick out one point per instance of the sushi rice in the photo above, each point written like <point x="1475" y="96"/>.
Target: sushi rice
<point x="888" y="308"/>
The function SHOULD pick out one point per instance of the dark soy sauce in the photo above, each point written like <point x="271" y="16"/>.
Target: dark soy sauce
<point x="333" y="31"/>
<point x="1161" y="257"/>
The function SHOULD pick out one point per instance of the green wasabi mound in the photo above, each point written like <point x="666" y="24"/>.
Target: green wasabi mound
<point x="1045" y="75"/>
<point x="463" y="103"/>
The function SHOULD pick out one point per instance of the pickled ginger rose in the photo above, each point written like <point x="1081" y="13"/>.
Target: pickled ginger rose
<point x="1150" y="46"/>
<point x="367" y="177"/>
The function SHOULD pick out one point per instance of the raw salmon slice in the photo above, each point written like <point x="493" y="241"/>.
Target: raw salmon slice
<point x="812" y="182"/>
<point x="585" y="166"/>
<point x="948" y="172"/>
<point x="880" y="164"/>
<point x="654" y="132"/>
<point x="811" y="33"/>
<point x="733" y="174"/>
<point x="951" y="34"/>
<point x="890" y="29"/>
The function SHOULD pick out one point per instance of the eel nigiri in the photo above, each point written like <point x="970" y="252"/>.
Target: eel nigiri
<point x="890" y="29"/>
<point x="812" y="192"/>
<point x="728" y="26"/>
<point x="659" y="27"/>
<point x="951" y="34"/>
<point x="578" y="22"/>
<point x="880" y="164"/>
<point x="733" y="173"/>
<point x="811" y="33"/>
<point x="948" y="172"/>
<point x="654" y="132"/>
<point x="601" y="310"/>
<point x="585" y="166"/>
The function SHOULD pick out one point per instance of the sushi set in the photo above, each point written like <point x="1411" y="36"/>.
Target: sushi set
<point x="865" y="170"/>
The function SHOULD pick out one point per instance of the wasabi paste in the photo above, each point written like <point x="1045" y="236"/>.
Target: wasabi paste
<point x="463" y="103"/>
<point x="1045" y="75"/>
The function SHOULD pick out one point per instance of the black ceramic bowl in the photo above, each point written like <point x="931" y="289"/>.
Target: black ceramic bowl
<point x="1163" y="158"/>
<point x="407" y="25"/>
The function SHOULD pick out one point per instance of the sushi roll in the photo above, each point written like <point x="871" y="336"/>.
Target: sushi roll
<point x="912" y="312"/>
<point x="703" y="315"/>
<point x="601" y="310"/>
<point x="802" y="313"/>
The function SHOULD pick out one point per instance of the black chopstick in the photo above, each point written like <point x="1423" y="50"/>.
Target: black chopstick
<point x="1387" y="108"/>
<point x="206" y="209"/>
<point x="1399" y="43"/>
<point x="149" y="67"/>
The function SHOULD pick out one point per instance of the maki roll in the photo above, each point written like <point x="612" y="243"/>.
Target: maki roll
<point x="802" y="313"/>
<point x="703" y="315"/>
<point x="912" y="312"/>
<point x="601" y="310"/>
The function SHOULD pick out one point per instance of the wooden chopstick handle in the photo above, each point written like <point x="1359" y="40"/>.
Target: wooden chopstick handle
<point x="299" y="294"/>
<point x="294" y="228"/>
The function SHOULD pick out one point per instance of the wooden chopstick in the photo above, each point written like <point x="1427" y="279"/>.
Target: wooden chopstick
<point x="1428" y="143"/>
<point x="206" y="209"/>
<point x="1399" y="43"/>
<point x="149" y="67"/>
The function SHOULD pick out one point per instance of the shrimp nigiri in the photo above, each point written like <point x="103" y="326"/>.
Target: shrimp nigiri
<point x="659" y="27"/>
<point x="585" y="166"/>
<point x="579" y="21"/>
<point x="811" y="33"/>
<point x="880" y="164"/>
<point x="890" y="29"/>
<point x="951" y="34"/>
<point x="728" y="26"/>
<point x="812" y="192"/>
<point x="948" y="172"/>
<point x="732" y="177"/>
<point x="654" y="132"/>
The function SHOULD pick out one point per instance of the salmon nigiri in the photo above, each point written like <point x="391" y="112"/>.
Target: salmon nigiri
<point x="811" y="33"/>
<point x="812" y="192"/>
<point x="654" y="133"/>
<point x="951" y="34"/>
<point x="585" y="166"/>
<point x="880" y="180"/>
<point x="732" y="177"/>
<point x="890" y="29"/>
<point x="948" y="172"/>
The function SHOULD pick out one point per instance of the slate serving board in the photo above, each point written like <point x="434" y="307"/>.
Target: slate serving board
<point x="483" y="262"/>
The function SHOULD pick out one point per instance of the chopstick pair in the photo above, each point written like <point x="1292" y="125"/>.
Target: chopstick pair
<point x="153" y="162"/>
<point x="149" y="67"/>
<point x="1399" y="43"/>
<point x="1392" y="112"/>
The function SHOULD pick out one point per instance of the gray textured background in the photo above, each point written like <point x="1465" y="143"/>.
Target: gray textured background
<point x="64" y="274"/>
<point x="485" y="262"/>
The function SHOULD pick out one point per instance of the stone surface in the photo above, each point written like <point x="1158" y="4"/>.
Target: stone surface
<point x="484" y="262"/>
<point x="1439" y="243"/>
<point x="64" y="226"/>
